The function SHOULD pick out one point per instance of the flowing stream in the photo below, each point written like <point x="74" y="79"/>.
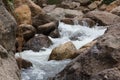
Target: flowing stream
<point x="42" y="68"/>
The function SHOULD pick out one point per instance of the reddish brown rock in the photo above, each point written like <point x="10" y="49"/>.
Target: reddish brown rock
<point x="23" y="14"/>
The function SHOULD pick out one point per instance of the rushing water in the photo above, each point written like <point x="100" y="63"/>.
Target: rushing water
<point x="42" y="68"/>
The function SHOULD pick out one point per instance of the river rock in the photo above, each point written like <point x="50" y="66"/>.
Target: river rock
<point x="87" y="22"/>
<point x="67" y="21"/>
<point x="28" y="31"/>
<point x="22" y="63"/>
<point x="116" y="11"/>
<point x="55" y="34"/>
<point x="37" y="43"/>
<point x="23" y="14"/>
<point x="47" y="28"/>
<point x="103" y="18"/>
<point x="99" y="62"/>
<point x="8" y="66"/>
<point x="64" y="51"/>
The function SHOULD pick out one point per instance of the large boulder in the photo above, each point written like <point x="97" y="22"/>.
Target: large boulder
<point x="100" y="62"/>
<point x="103" y="18"/>
<point x="64" y="51"/>
<point x="37" y="43"/>
<point x="8" y="66"/>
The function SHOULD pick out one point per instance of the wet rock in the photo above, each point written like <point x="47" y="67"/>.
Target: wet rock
<point x="8" y="66"/>
<point x="86" y="47"/>
<point x="28" y="31"/>
<point x="37" y="43"/>
<point x="55" y="34"/>
<point x="47" y="28"/>
<point x="103" y="18"/>
<point x="23" y="14"/>
<point x="76" y="35"/>
<point x="22" y="63"/>
<point x="67" y="21"/>
<point x="97" y="63"/>
<point x="64" y="51"/>
<point x="87" y="22"/>
<point x="116" y="11"/>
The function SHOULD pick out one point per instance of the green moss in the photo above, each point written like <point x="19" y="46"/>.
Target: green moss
<point x="10" y="4"/>
<point x="107" y="1"/>
<point x="54" y="1"/>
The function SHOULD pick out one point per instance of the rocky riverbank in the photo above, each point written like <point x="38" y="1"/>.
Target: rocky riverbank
<point x="35" y="20"/>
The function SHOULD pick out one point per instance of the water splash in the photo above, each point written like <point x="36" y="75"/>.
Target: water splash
<point x="42" y="68"/>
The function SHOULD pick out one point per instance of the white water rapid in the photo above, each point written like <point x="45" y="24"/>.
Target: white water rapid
<point x="42" y="68"/>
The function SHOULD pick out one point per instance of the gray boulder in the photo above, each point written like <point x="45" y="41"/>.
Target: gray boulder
<point x="8" y="66"/>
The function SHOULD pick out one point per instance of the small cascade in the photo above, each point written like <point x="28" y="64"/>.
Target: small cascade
<point x="42" y="68"/>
